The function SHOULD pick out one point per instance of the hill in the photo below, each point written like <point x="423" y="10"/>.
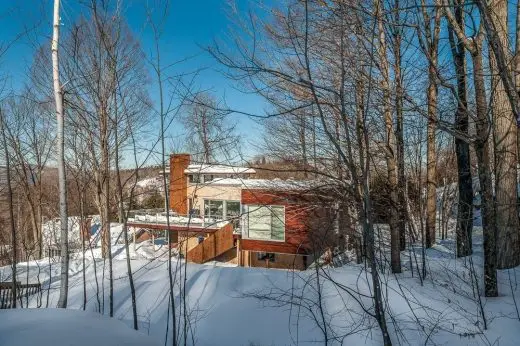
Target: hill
<point x="252" y="306"/>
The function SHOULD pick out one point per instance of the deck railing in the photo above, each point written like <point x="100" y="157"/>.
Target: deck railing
<point x="175" y="219"/>
<point x="22" y="291"/>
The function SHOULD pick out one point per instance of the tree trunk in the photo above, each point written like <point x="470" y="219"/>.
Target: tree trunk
<point x="395" y="252"/>
<point x="360" y="107"/>
<point x="205" y="140"/>
<point x="303" y="143"/>
<point x="482" y="150"/>
<point x="58" y="96"/>
<point x="40" y="216"/>
<point x="465" y="185"/>
<point x="14" y="244"/>
<point x="431" y="155"/>
<point x="505" y="137"/>
<point x="107" y="230"/>
<point x="494" y="18"/>
<point x="368" y="231"/>
<point x="487" y="213"/>
<point x="123" y="215"/>
<point x="431" y="161"/>
<point x="171" y="236"/>
<point x="82" y="239"/>
<point x="399" y="131"/>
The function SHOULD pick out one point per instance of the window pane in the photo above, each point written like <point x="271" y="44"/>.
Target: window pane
<point x="214" y="209"/>
<point x="259" y="218"/>
<point x="259" y="234"/>
<point x="278" y="223"/>
<point x="262" y="256"/>
<point x="206" y="208"/>
<point x="259" y="222"/>
<point x="233" y="209"/>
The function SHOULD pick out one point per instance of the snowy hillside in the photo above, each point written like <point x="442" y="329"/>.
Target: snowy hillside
<point x="51" y="327"/>
<point x="151" y="183"/>
<point x="251" y="306"/>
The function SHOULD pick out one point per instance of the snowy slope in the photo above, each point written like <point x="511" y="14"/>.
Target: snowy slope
<point x="150" y="183"/>
<point x="51" y="327"/>
<point x="251" y="306"/>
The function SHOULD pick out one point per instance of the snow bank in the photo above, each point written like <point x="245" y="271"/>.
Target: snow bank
<point x="51" y="327"/>
<point x="253" y="306"/>
<point x="51" y="232"/>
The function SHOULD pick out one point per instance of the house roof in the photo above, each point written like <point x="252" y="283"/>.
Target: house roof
<point x="217" y="169"/>
<point x="264" y="183"/>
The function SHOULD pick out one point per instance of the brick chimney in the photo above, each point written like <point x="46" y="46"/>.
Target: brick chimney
<point x="179" y="183"/>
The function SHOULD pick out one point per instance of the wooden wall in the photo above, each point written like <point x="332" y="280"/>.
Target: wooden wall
<point x="214" y="245"/>
<point x="299" y="215"/>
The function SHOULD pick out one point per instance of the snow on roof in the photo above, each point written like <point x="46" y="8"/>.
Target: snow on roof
<point x="217" y="169"/>
<point x="264" y="183"/>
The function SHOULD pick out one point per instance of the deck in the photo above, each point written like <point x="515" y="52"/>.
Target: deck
<point x="180" y="223"/>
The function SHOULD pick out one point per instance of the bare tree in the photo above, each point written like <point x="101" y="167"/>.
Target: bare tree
<point x="505" y="109"/>
<point x="14" y="243"/>
<point x="391" y="145"/>
<point x="494" y="17"/>
<point x="313" y="71"/>
<point x="101" y="56"/>
<point x="465" y="183"/>
<point x="30" y="138"/>
<point x="208" y="130"/>
<point x="58" y="96"/>
<point x="482" y="150"/>
<point x="397" y="29"/>
<point x="430" y="47"/>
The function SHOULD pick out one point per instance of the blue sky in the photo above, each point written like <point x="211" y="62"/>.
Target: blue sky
<point x="191" y="25"/>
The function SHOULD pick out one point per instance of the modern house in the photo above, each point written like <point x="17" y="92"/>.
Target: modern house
<point x="223" y="213"/>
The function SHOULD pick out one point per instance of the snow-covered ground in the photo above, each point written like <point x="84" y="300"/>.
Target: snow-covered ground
<point x="252" y="306"/>
<point x="52" y="327"/>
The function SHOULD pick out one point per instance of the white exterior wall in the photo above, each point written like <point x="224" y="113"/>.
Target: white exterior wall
<point x="218" y="192"/>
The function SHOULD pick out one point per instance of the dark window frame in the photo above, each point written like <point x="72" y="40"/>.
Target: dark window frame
<point x="194" y="178"/>
<point x="266" y="256"/>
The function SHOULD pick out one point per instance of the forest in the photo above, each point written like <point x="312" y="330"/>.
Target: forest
<point x="401" y="116"/>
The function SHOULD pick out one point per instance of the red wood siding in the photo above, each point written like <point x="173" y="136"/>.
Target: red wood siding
<point x="299" y="214"/>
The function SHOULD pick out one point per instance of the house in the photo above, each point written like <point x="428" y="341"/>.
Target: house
<point x="223" y="213"/>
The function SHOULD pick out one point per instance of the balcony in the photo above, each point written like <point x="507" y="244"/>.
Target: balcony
<point x="160" y="219"/>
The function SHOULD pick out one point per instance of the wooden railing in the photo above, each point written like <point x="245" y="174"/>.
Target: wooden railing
<point x="22" y="291"/>
<point x="214" y="245"/>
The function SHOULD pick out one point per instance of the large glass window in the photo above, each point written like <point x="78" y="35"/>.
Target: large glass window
<point x="221" y="209"/>
<point x="266" y="222"/>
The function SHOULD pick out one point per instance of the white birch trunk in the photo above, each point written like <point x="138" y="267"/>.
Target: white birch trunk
<point x="58" y="96"/>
